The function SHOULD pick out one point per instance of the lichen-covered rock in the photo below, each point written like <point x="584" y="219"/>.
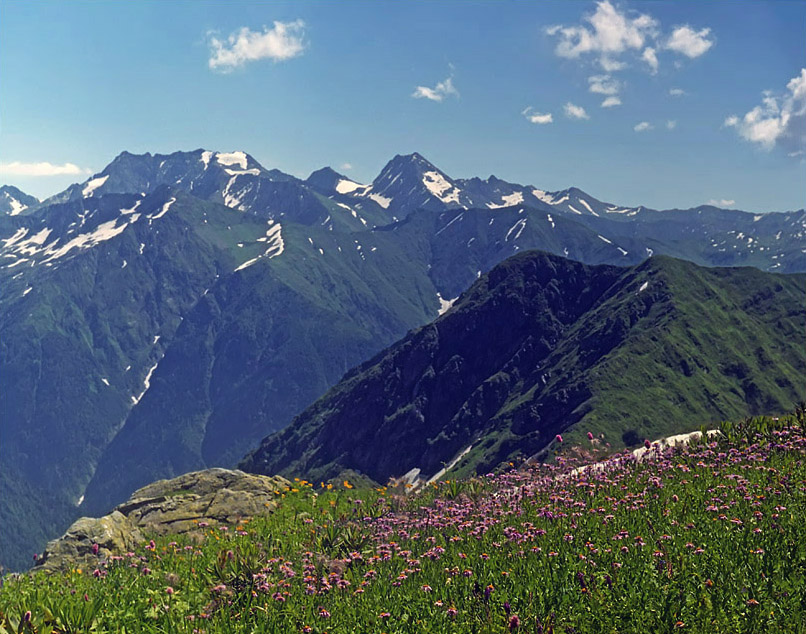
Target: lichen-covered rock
<point x="90" y="540"/>
<point x="176" y="506"/>
<point x="216" y="496"/>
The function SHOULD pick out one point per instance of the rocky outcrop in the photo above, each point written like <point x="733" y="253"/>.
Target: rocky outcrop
<point x="166" y="507"/>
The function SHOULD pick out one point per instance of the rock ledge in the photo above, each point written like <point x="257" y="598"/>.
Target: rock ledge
<point x="175" y="506"/>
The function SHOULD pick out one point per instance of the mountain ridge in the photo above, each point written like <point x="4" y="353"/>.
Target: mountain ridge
<point x="553" y="368"/>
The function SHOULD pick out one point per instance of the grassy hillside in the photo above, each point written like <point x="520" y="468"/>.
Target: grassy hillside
<point x="704" y="538"/>
<point x="543" y="345"/>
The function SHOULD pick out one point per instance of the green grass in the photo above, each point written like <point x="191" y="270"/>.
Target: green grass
<point x="708" y="538"/>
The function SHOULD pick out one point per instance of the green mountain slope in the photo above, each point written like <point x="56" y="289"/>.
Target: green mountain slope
<point x="543" y="345"/>
<point x="81" y="329"/>
<point x="257" y="347"/>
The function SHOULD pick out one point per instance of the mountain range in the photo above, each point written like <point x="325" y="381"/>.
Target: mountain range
<point x="543" y="345"/>
<point x="172" y="310"/>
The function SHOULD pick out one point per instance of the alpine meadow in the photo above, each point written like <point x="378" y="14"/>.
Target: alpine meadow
<point x="402" y="317"/>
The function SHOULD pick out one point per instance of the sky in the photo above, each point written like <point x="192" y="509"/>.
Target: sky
<point x="662" y="104"/>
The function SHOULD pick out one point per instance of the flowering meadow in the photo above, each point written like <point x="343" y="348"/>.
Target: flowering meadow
<point x="705" y="538"/>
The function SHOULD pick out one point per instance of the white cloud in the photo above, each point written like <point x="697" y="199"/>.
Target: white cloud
<point x="575" y="112"/>
<point x="779" y="120"/>
<point x="346" y="166"/>
<point x="610" y="33"/>
<point x="643" y="126"/>
<point x="18" y="168"/>
<point x="437" y="93"/>
<point x="688" y="42"/>
<point x="610" y="65"/>
<point x="677" y="92"/>
<point x="651" y="58"/>
<point x="721" y="202"/>
<point x="671" y="124"/>
<point x="541" y="118"/>
<point x="603" y="85"/>
<point x="281" y="42"/>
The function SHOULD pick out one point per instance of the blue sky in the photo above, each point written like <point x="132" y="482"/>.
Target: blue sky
<point x="468" y="85"/>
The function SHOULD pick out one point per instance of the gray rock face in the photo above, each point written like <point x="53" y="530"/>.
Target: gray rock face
<point x="166" y="507"/>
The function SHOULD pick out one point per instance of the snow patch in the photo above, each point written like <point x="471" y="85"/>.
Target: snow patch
<point x="146" y="383"/>
<point x="92" y="185"/>
<point x="254" y="172"/>
<point x="585" y="204"/>
<point x="30" y="246"/>
<point x="125" y="212"/>
<point x="445" y="304"/>
<point x="644" y="286"/>
<point x="205" y="158"/>
<point x="522" y="224"/>
<point x="547" y="198"/>
<point x="605" y="239"/>
<point x="345" y="186"/>
<point x="509" y="200"/>
<point x="18" y="235"/>
<point x="16" y="206"/>
<point x="104" y="231"/>
<point x="27" y="290"/>
<point x="105" y="381"/>
<point x="575" y="210"/>
<point x="381" y="200"/>
<point x="231" y="158"/>
<point x="551" y="220"/>
<point x="274" y="237"/>
<point x="438" y="185"/>
<point x="163" y="211"/>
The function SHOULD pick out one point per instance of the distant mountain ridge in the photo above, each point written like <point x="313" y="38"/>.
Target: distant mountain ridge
<point x="541" y="346"/>
<point x="14" y="201"/>
<point x="171" y="310"/>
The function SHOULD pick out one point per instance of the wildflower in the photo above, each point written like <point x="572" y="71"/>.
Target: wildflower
<point x="752" y="602"/>
<point x="169" y="590"/>
<point x="590" y="436"/>
<point x="26" y="618"/>
<point x="95" y="549"/>
<point x="558" y="438"/>
<point x="384" y="615"/>
<point x="452" y="612"/>
<point x="514" y="623"/>
<point x="324" y="613"/>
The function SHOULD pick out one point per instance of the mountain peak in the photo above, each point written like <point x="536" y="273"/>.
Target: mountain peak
<point x="14" y="201"/>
